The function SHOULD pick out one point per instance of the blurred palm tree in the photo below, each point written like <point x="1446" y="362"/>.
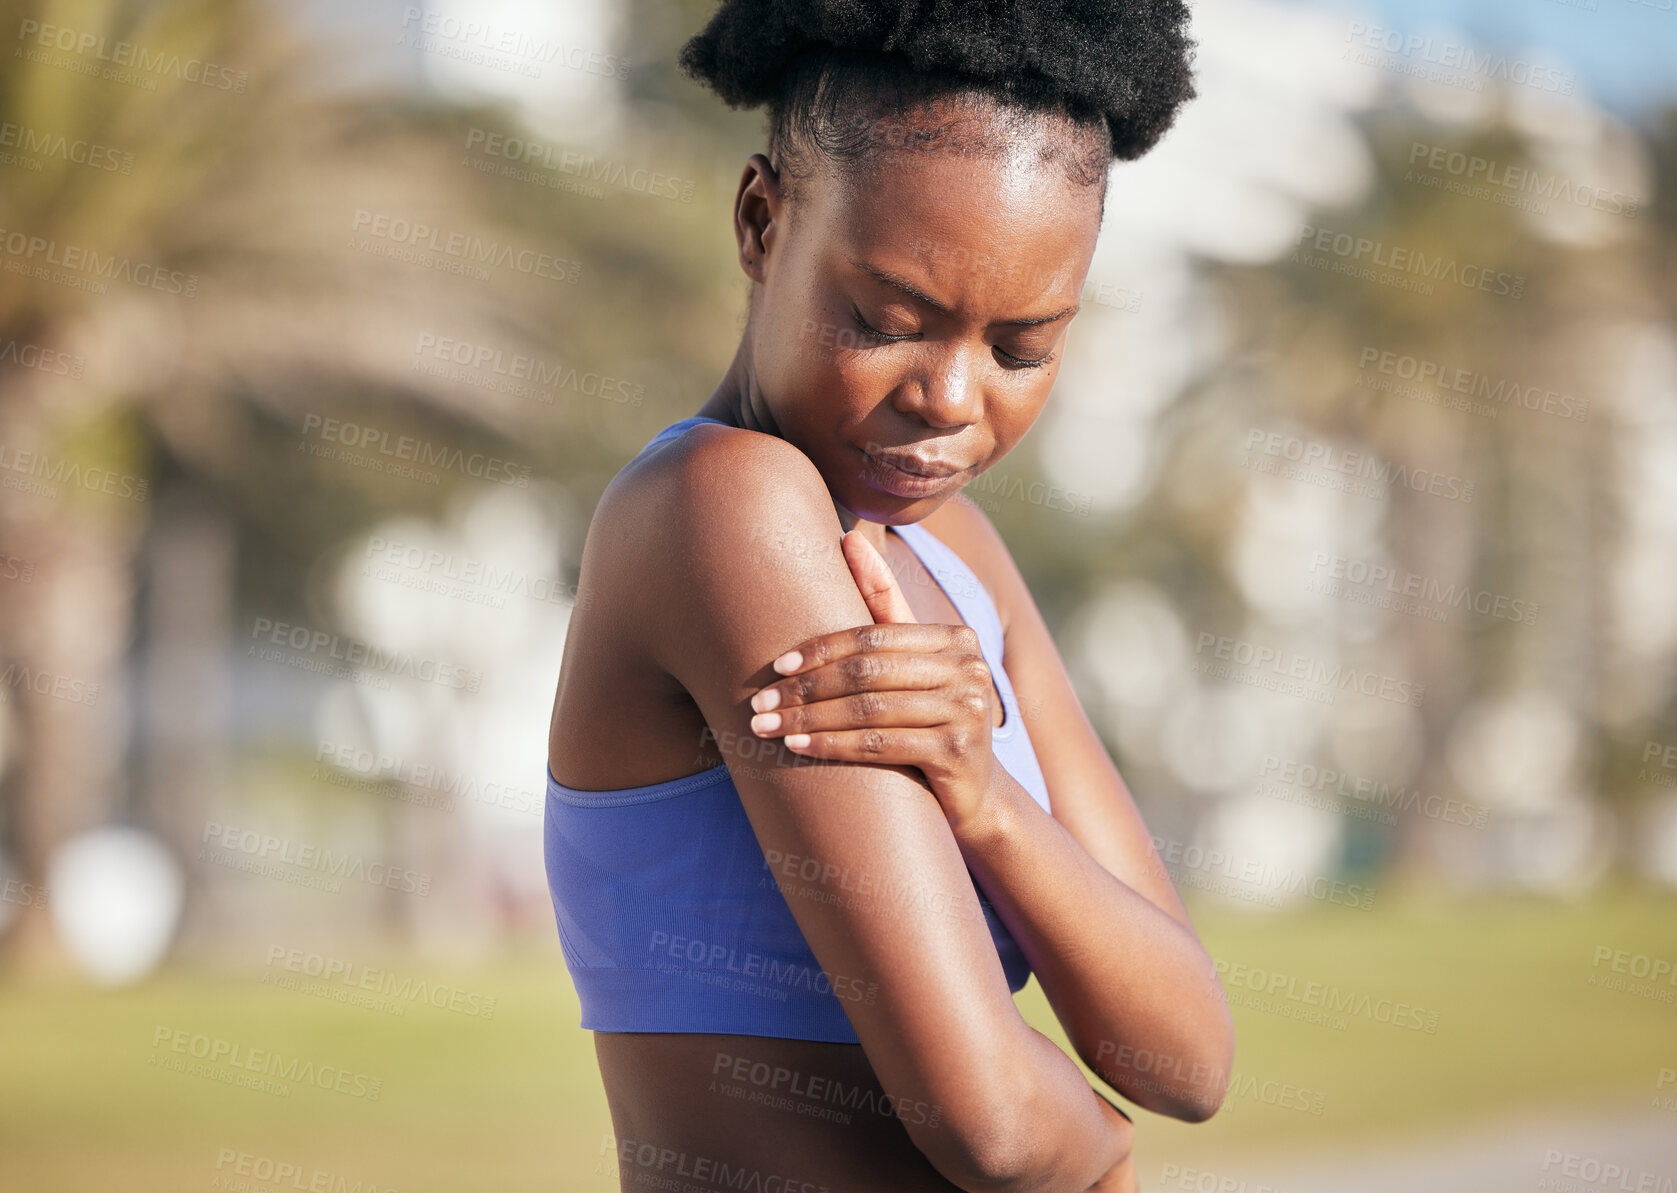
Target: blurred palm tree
<point x="1550" y="521"/>
<point x="249" y="197"/>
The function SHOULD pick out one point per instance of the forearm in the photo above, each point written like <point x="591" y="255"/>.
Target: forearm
<point x="1129" y="983"/>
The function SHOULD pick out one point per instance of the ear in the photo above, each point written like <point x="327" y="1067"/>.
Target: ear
<point x="758" y="211"/>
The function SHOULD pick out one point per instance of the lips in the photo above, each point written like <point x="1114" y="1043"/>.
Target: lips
<point x="910" y="476"/>
<point x="918" y="465"/>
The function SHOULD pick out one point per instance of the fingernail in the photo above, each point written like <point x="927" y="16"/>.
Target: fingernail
<point x="796" y="741"/>
<point x="789" y="662"/>
<point x="766" y="722"/>
<point x="768" y="698"/>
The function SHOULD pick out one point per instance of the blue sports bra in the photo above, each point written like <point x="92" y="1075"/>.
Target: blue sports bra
<point x="672" y="919"/>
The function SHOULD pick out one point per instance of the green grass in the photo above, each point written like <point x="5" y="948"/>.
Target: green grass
<point x="513" y="1101"/>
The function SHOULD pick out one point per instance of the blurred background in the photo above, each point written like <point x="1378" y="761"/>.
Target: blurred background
<point x="1354" y="512"/>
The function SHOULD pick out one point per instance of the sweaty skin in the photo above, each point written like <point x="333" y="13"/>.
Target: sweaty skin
<point x="972" y="266"/>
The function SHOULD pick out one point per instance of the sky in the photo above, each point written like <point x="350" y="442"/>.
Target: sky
<point x="1624" y="50"/>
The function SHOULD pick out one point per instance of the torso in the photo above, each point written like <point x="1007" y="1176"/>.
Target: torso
<point x="619" y="722"/>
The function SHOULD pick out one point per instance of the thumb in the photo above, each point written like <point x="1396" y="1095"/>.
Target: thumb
<point x="874" y="579"/>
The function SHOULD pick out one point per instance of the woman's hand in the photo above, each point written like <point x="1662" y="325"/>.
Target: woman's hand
<point x="893" y="693"/>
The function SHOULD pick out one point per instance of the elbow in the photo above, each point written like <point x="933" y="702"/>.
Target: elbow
<point x="1200" y="1096"/>
<point x="1193" y="1106"/>
<point x="990" y="1148"/>
<point x="1193" y="1099"/>
<point x="1187" y="1083"/>
<point x="1000" y="1149"/>
<point x="1196" y="1100"/>
<point x="986" y="1153"/>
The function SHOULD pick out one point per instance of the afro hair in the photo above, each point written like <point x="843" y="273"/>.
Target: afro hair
<point x="1124" y="62"/>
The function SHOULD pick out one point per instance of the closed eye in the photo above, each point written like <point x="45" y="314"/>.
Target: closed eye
<point x="1016" y="362"/>
<point x="868" y="331"/>
<point x="873" y="333"/>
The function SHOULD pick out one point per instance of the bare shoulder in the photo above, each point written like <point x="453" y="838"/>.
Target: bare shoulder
<point x="703" y="486"/>
<point x="695" y="523"/>
<point x="714" y="465"/>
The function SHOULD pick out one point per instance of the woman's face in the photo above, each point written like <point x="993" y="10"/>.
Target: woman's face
<point x="915" y="313"/>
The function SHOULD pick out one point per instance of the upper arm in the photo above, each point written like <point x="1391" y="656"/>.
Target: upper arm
<point x="748" y="535"/>
<point x="1085" y="790"/>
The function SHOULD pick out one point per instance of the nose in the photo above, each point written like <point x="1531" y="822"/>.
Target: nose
<point x="944" y="391"/>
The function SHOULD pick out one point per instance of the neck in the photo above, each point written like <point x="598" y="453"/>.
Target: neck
<point x="738" y="401"/>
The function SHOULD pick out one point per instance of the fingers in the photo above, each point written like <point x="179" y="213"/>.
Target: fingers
<point x="868" y="639"/>
<point x="879" y="672"/>
<point x="881" y="746"/>
<point x="863" y="710"/>
<point x="875" y="580"/>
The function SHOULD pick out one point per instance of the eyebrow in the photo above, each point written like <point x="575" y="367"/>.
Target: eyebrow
<point x="914" y="292"/>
